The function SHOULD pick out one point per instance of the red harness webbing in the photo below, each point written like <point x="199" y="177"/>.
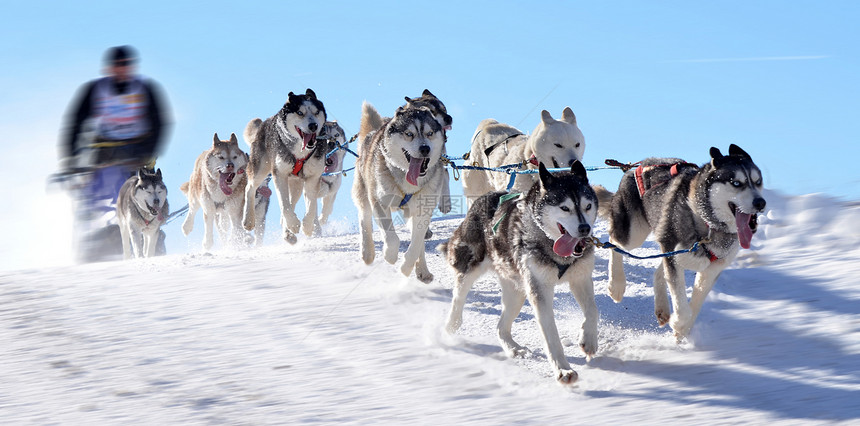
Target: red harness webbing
<point x="640" y="170"/>
<point x="300" y="163"/>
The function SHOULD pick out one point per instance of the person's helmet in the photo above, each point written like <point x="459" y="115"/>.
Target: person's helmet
<point x="126" y="54"/>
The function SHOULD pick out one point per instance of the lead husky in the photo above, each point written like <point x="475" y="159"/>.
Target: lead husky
<point x="284" y="146"/>
<point x="141" y="209"/>
<point x="715" y="204"/>
<point x="399" y="168"/>
<point x="533" y="243"/>
<point x="556" y="143"/>
<point x="217" y="187"/>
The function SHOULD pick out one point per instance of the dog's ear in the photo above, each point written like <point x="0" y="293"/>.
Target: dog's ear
<point x="233" y="138"/>
<point x="546" y="117"/>
<point x="738" y="152"/>
<point x="579" y="170"/>
<point x="568" y="116"/>
<point x="216" y="140"/>
<point x="426" y="92"/>
<point x="141" y="173"/>
<point x="716" y="156"/>
<point x="310" y="93"/>
<point x="408" y="99"/>
<point x="158" y="174"/>
<point x="546" y="177"/>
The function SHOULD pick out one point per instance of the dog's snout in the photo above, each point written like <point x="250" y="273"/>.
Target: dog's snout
<point x="584" y="230"/>
<point x="424" y="150"/>
<point x="312" y="127"/>
<point x="570" y="163"/>
<point x="230" y="167"/>
<point x="156" y="202"/>
<point x="759" y="203"/>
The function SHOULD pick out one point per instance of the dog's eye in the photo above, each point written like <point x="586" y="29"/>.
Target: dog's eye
<point x="558" y="145"/>
<point x="577" y="145"/>
<point x="758" y="182"/>
<point x="737" y="184"/>
<point x="588" y="207"/>
<point x="430" y="134"/>
<point x="565" y="208"/>
<point x="300" y="114"/>
<point x="409" y="134"/>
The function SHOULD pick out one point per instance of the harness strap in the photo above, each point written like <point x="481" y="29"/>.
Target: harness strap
<point x="503" y="199"/>
<point x="490" y="148"/>
<point x="300" y="163"/>
<point x="640" y="171"/>
<point x="406" y="198"/>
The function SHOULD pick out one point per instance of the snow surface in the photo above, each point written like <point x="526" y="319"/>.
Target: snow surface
<point x="308" y="333"/>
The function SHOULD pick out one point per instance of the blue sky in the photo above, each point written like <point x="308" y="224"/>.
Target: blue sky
<point x="644" y="78"/>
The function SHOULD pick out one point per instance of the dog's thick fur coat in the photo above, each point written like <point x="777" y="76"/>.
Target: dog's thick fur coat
<point x="141" y="209"/>
<point x="555" y="143"/>
<point x="715" y="204"/>
<point x="284" y="146"/>
<point x="532" y="243"/>
<point x="399" y="168"/>
<point x="217" y="186"/>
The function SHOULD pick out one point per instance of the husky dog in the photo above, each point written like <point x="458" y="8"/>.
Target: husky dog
<point x="141" y="209"/>
<point x="399" y="168"/>
<point x="217" y="186"/>
<point x="533" y="242"/>
<point x="284" y="146"/>
<point x="334" y="136"/>
<point x="556" y="143"/>
<point x="715" y="204"/>
<point x="373" y="121"/>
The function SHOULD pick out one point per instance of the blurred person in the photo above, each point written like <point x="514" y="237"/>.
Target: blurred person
<point x="115" y="125"/>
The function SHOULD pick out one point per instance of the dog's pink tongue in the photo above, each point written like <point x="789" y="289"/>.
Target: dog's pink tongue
<point x="222" y="182"/>
<point x="414" y="170"/>
<point x="306" y="138"/>
<point x="742" y="220"/>
<point x="564" y="245"/>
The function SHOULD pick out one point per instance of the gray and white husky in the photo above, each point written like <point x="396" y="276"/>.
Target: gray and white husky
<point x="284" y="145"/>
<point x="373" y="121"/>
<point x="141" y="209"/>
<point x="217" y="186"/>
<point x="399" y="169"/>
<point x="555" y="143"/>
<point x="332" y="136"/>
<point x="533" y="243"/>
<point x="681" y="203"/>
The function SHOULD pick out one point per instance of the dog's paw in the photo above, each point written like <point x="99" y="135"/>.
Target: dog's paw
<point x="453" y="325"/>
<point x="424" y="276"/>
<point x="588" y="346"/>
<point x="290" y="237"/>
<point x="187" y="227"/>
<point x="248" y="223"/>
<point x="616" y="289"/>
<point x="390" y="254"/>
<point x="681" y="325"/>
<point x="309" y="225"/>
<point x="514" y="350"/>
<point x="406" y="268"/>
<point x="368" y="254"/>
<point x="662" y="317"/>
<point x="566" y="377"/>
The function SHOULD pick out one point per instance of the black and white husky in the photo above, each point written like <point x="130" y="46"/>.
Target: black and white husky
<point x="284" y="145"/>
<point x="141" y="209"/>
<point x="533" y="242"/>
<point x="681" y="203"/>
<point x="399" y="168"/>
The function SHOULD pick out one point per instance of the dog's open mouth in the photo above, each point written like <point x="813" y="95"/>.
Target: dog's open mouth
<point x="309" y="140"/>
<point x="746" y="223"/>
<point x="567" y="245"/>
<point x="224" y="181"/>
<point x="417" y="167"/>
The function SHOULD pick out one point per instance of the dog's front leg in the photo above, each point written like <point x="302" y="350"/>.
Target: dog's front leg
<point x="704" y="283"/>
<point x="662" y="309"/>
<point x="365" y="222"/>
<point x="582" y="288"/>
<point x="208" y="228"/>
<point x="255" y="179"/>
<point x="188" y="223"/>
<point x="282" y="188"/>
<point x="682" y="318"/>
<point x="125" y="235"/>
<point x="414" y="257"/>
<point x="310" y="220"/>
<point x="149" y="240"/>
<point x="391" y="243"/>
<point x="541" y="295"/>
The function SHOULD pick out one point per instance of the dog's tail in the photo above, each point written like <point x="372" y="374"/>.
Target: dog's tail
<point x="251" y="130"/>
<point x="184" y="187"/>
<point x="604" y="200"/>
<point x="371" y="121"/>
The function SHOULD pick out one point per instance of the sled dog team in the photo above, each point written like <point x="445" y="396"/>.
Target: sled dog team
<point x="533" y="237"/>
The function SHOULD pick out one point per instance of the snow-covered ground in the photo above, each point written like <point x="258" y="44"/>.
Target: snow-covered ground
<point x="308" y="333"/>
